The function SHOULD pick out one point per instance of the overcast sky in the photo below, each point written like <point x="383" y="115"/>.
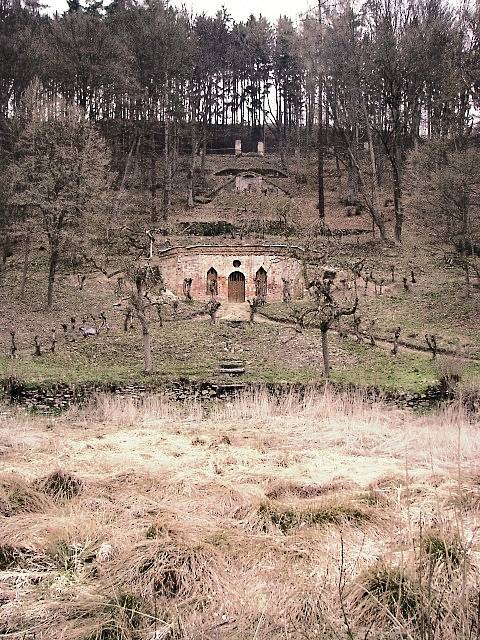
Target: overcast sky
<point x="238" y="9"/>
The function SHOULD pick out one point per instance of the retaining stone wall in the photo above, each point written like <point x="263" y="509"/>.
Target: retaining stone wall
<point x="61" y="397"/>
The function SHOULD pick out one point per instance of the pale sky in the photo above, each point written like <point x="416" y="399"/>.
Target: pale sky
<point x="238" y="9"/>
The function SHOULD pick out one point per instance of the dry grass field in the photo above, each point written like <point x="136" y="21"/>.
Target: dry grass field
<point x="322" y="517"/>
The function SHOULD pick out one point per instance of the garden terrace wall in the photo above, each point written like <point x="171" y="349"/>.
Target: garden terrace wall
<point x="59" y="397"/>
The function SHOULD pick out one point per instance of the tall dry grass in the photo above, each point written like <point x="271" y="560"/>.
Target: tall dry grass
<point x="291" y="517"/>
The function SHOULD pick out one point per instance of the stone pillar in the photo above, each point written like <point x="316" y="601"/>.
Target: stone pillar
<point x="261" y="149"/>
<point x="238" y="147"/>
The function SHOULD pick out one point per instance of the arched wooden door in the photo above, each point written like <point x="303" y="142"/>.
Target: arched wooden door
<point x="236" y="287"/>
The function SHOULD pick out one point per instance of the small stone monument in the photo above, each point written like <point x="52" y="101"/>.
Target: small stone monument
<point x="238" y="147"/>
<point x="261" y="149"/>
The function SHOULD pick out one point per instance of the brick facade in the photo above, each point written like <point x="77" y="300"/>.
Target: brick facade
<point x="196" y="261"/>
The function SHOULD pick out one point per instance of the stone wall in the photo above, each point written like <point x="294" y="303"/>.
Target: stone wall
<point x="250" y="183"/>
<point x="60" y="397"/>
<point x="195" y="263"/>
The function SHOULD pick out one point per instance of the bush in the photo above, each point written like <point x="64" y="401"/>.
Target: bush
<point x="17" y="496"/>
<point x="287" y="518"/>
<point x="450" y="372"/>
<point x="122" y="617"/>
<point x="382" y="592"/>
<point x="59" y="485"/>
<point x="444" y="549"/>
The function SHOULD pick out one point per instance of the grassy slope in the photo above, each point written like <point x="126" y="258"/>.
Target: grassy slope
<point x="436" y="304"/>
<point x="186" y="349"/>
<point x="193" y="348"/>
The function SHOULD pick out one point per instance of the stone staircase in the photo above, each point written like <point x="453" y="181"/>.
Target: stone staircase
<point x="232" y="367"/>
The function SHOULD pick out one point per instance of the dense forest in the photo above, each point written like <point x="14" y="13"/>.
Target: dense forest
<point x="378" y="88"/>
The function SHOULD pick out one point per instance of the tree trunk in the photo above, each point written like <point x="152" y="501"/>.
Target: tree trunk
<point x="116" y="208"/>
<point x="320" y="141"/>
<point x="5" y="250"/>
<point x="371" y="150"/>
<point x="146" y="338"/>
<point x="352" y="183"/>
<point x="397" y="195"/>
<point x="52" y="270"/>
<point x="26" y="264"/>
<point x="466" y="269"/>
<point x="326" y="357"/>
<point x="397" y="161"/>
<point x="191" y="172"/>
<point x="320" y="156"/>
<point x="376" y="214"/>
<point x="167" y="183"/>
<point x="153" y="179"/>
<point x="373" y="166"/>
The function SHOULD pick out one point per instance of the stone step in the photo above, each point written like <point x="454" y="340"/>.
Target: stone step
<point x="232" y="367"/>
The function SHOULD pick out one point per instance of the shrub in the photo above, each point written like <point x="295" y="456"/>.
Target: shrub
<point x="287" y="518"/>
<point x="17" y="496"/>
<point x="450" y="372"/>
<point x="71" y="556"/>
<point x="384" y="591"/>
<point x="59" y="485"/>
<point x="443" y="549"/>
<point x="121" y="618"/>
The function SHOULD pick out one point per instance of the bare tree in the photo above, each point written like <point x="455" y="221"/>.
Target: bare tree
<point x="445" y="180"/>
<point x="60" y="177"/>
<point x="325" y="311"/>
<point x="431" y="341"/>
<point x="13" y="345"/>
<point x="213" y="305"/>
<point x="145" y="283"/>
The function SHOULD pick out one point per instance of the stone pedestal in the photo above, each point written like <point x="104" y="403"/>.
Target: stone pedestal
<point x="238" y="147"/>
<point x="261" y="149"/>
